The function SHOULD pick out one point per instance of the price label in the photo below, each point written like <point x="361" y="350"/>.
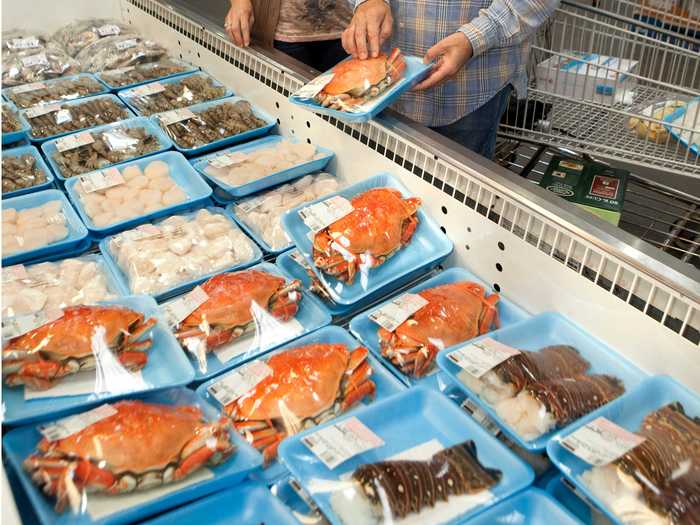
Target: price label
<point x="119" y="71"/>
<point x="480" y="417"/>
<point x="249" y="205"/>
<point x="237" y="383"/>
<point x="70" y="425"/>
<point x="341" y="441"/>
<point x="324" y="213"/>
<point x="395" y="312"/>
<point x="70" y="142"/>
<point x="16" y="326"/>
<point x="148" y="89"/>
<point x="14" y="273"/>
<point x="108" y="30"/>
<point x="126" y="44"/>
<point x="480" y="357"/>
<point x="176" y="115"/>
<point x="314" y="87"/>
<point x="63" y="116"/>
<point x="101" y="180"/>
<point x="26" y="88"/>
<point x="23" y="43"/>
<point x="601" y="442"/>
<point x="228" y="159"/>
<point x="35" y="60"/>
<point x="177" y="310"/>
<point x="37" y="111"/>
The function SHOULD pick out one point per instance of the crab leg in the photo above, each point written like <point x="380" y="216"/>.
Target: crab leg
<point x="140" y="329"/>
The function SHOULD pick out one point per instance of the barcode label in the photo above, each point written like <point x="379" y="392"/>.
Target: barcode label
<point x="68" y="426"/>
<point x="395" y="312"/>
<point x="341" y="441"/>
<point x="481" y="417"/>
<point x="14" y="273"/>
<point x="101" y="180"/>
<point x="37" y="111"/>
<point x="228" y="159"/>
<point x="177" y="310"/>
<point x="240" y="381"/>
<point x="314" y="87"/>
<point x="126" y="44"/>
<point x="147" y="90"/>
<point x="23" y="43"/>
<point x="176" y="115"/>
<point x="324" y="213"/>
<point x="601" y="442"/>
<point x="108" y="29"/>
<point x="480" y="357"/>
<point x="35" y="60"/>
<point x="26" y="88"/>
<point x="70" y="142"/>
<point x="17" y="326"/>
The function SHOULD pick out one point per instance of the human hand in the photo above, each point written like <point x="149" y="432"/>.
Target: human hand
<point x="451" y="53"/>
<point x="239" y="21"/>
<point x="369" y="28"/>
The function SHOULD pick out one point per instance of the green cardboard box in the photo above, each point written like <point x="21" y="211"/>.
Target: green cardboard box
<point x="593" y="186"/>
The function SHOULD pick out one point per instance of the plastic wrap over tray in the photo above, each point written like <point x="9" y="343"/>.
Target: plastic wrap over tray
<point x="24" y="171"/>
<point x="57" y="90"/>
<point x="28" y="58"/>
<point x="131" y="76"/>
<point x="14" y="129"/>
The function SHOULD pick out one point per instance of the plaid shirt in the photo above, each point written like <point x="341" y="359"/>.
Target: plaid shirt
<point x="498" y="31"/>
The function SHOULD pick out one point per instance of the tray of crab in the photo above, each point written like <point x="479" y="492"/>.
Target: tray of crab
<point x="54" y="362"/>
<point x="307" y="381"/>
<point x="124" y="461"/>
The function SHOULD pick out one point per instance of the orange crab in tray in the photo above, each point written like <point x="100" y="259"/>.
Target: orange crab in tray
<point x="235" y="302"/>
<point x="83" y="338"/>
<point x="455" y="312"/>
<point x="306" y="386"/>
<point x="381" y="223"/>
<point x="137" y="446"/>
<point x="356" y="81"/>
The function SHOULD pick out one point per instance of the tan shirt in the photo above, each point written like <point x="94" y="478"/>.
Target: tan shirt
<point x="312" y="20"/>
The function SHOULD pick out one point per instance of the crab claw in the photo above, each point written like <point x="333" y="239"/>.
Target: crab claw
<point x="284" y="303"/>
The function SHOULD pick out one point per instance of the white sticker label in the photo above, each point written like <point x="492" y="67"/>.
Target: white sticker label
<point x="35" y="60"/>
<point x="324" y="213"/>
<point x="481" y="417"/>
<point x="108" y="29"/>
<point x="70" y="142"/>
<point x="394" y="313"/>
<point x="228" y="159"/>
<point x="314" y="87"/>
<point x="16" y="326"/>
<point x="237" y="383"/>
<point x="147" y="90"/>
<point x="126" y="44"/>
<point x="26" y="88"/>
<point x="177" y="310"/>
<point x="176" y="115"/>
<point x="120" y="71"/>
<point x="480" y="357"/>
<point x="37" y="111"/>
<point x="14" y="273"/>
<point x="249" y="205"/>
<point x="63" y="116"/>
<point x="101" y="180"/>
<point x="601" y="442"/>
<point x="70" y="425"/>
<point x="341" y="441"/>
<point x="23" y="43"/>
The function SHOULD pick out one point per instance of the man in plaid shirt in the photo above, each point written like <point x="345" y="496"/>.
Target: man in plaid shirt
<point x="480" y="49"/>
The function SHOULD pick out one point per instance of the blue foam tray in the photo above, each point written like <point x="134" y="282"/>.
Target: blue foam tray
<point x="268" y="181"/>
<point x="123" y="281"/>
<point x="416" y="71"/>
<point x="533" y="334"/>
<point x="628" y="411"/>
<point x="15" y="136"/>
<point x="366" y="329"/>
<point x="427" y="248"/>
<point x="570" y="501"/>
<point x="126" y="93"/>
<point x="29" y="150"/>
<point x="404" y="421"/>
<point x="679" y="114"/>
<point x="77" y="233"/>
<point x="49" y="147"/>
<point x="181" y="172"/>
<point x="386" y="384"/>
<point x="233" y="139"/>
<point x="113" y="88"/>
<point x="167" y="367"/>
<point x="21" y="442"/>
<point x="53" y="81"/>
<point x="531" y="507"/>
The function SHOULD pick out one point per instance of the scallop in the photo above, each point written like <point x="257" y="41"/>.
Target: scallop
<point x="161" y="184"/>
<point x="29" y="215"/>
<point x="51" y="208"/>
<point x="131" y="172"/>
<point x="180" y="245"/>
<point x="93" y="199"/>
<point x="324" y="186"/>
<point x="34" y="239"/>
<point x="92" y="209"/>
<point x="103" y="219"/>
<point x="214" y="230"/>
<point x="117" y="193"/>
<point x="109" y="206"/>
<point x="157" y="168"/>
<point x="138" y="182"/>
<point x="56" y="232"/>
<point x="9" y="228"/>
<point x="10" y="244"/>
<point x="152" y="207"/>
<point x="175" y="195"/>
<point x="9" y="215"/>
<point x="149" y="196"/>
<point x="88" y="270"/>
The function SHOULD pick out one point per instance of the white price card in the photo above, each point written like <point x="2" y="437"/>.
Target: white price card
<point x="318" y="216"/>
<point x="601" y="442"/>
<point x="480" y="357"/>
<point x="23" y="43"/>
<point x="176" y="115"/>
<point x="101" y="180"/>
<point x="177" y="310"/>
<point x="35" y="60"/>
<point x="26" y="88"/>
<point x="314" y="87"/>
<point x="481" y="417"/>
<point x="126" y="44"/>
<point x="76" y="140"/>
<point x="228" y="159"/>
<point x="341" y="441"/>
<point x="70" y="425"/>
<point x="37" y="111"/>
<point x="16" y="272"/>
<point x="108" y="30"/>
<point x="20" y="325"/>
<point x="395" y="312"/>
<point x="147" y="90"/>
<point x="237" y="383"/>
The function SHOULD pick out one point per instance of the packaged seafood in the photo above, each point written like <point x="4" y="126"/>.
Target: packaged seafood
<point x="261" y="215"/>
<point x="118" y="51"/>
<point x="168" y="256"/>
<point x="175" y="93"/>
<point x="54" y="285"/>
<point x="10" y="119"/>
<point x="56" y="90"/>
<point x="74" y="37"/>
<point x="23" y="170"/>
<point x="131" y="76"/>
<point x="58" y="119"/>
<point x="31" y="228"/>
<point x="261" y="164"/>
<point x="129" y="459"/>
<point x="208" y="125"/>
<point x="532" y="507"/>
<point x="30" y="58"/>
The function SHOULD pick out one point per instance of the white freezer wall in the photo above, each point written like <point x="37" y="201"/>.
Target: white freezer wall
<point x="42" y="16"/>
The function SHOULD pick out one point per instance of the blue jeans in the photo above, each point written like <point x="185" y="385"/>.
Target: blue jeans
<point x="477" y="131"/>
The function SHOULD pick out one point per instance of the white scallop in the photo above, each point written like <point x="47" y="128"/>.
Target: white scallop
<point x="9" y="215"/>
<point x="157" y="168"/>
<point x="131" y="172"/>
<point x="148" y="196"/>
<point x="174" y="196"/>
<point x="138" y="182"/>
<point x="103" y="219"/>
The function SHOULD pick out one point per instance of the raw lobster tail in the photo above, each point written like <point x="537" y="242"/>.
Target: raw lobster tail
<point x="680" y="497"/>
<point x="410" y="486"/>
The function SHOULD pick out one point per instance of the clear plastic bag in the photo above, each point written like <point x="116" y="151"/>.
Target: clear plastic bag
<point x="129" y="75"/>
<point x="653" y="130"/>
<point x="10" y="120"/>
<point x="28" y="58"/>
<point x="159" y="97"/>
<point x="30" y="95"/>
<point x="75" y="36"/>
<point x="54" y="285"/>
<point x="262" y="213"/>
<point x="157" y="257"/>
<point x="32" y="228"/>
<point x="20" y="172"/>
<point x="118" y="51"/>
